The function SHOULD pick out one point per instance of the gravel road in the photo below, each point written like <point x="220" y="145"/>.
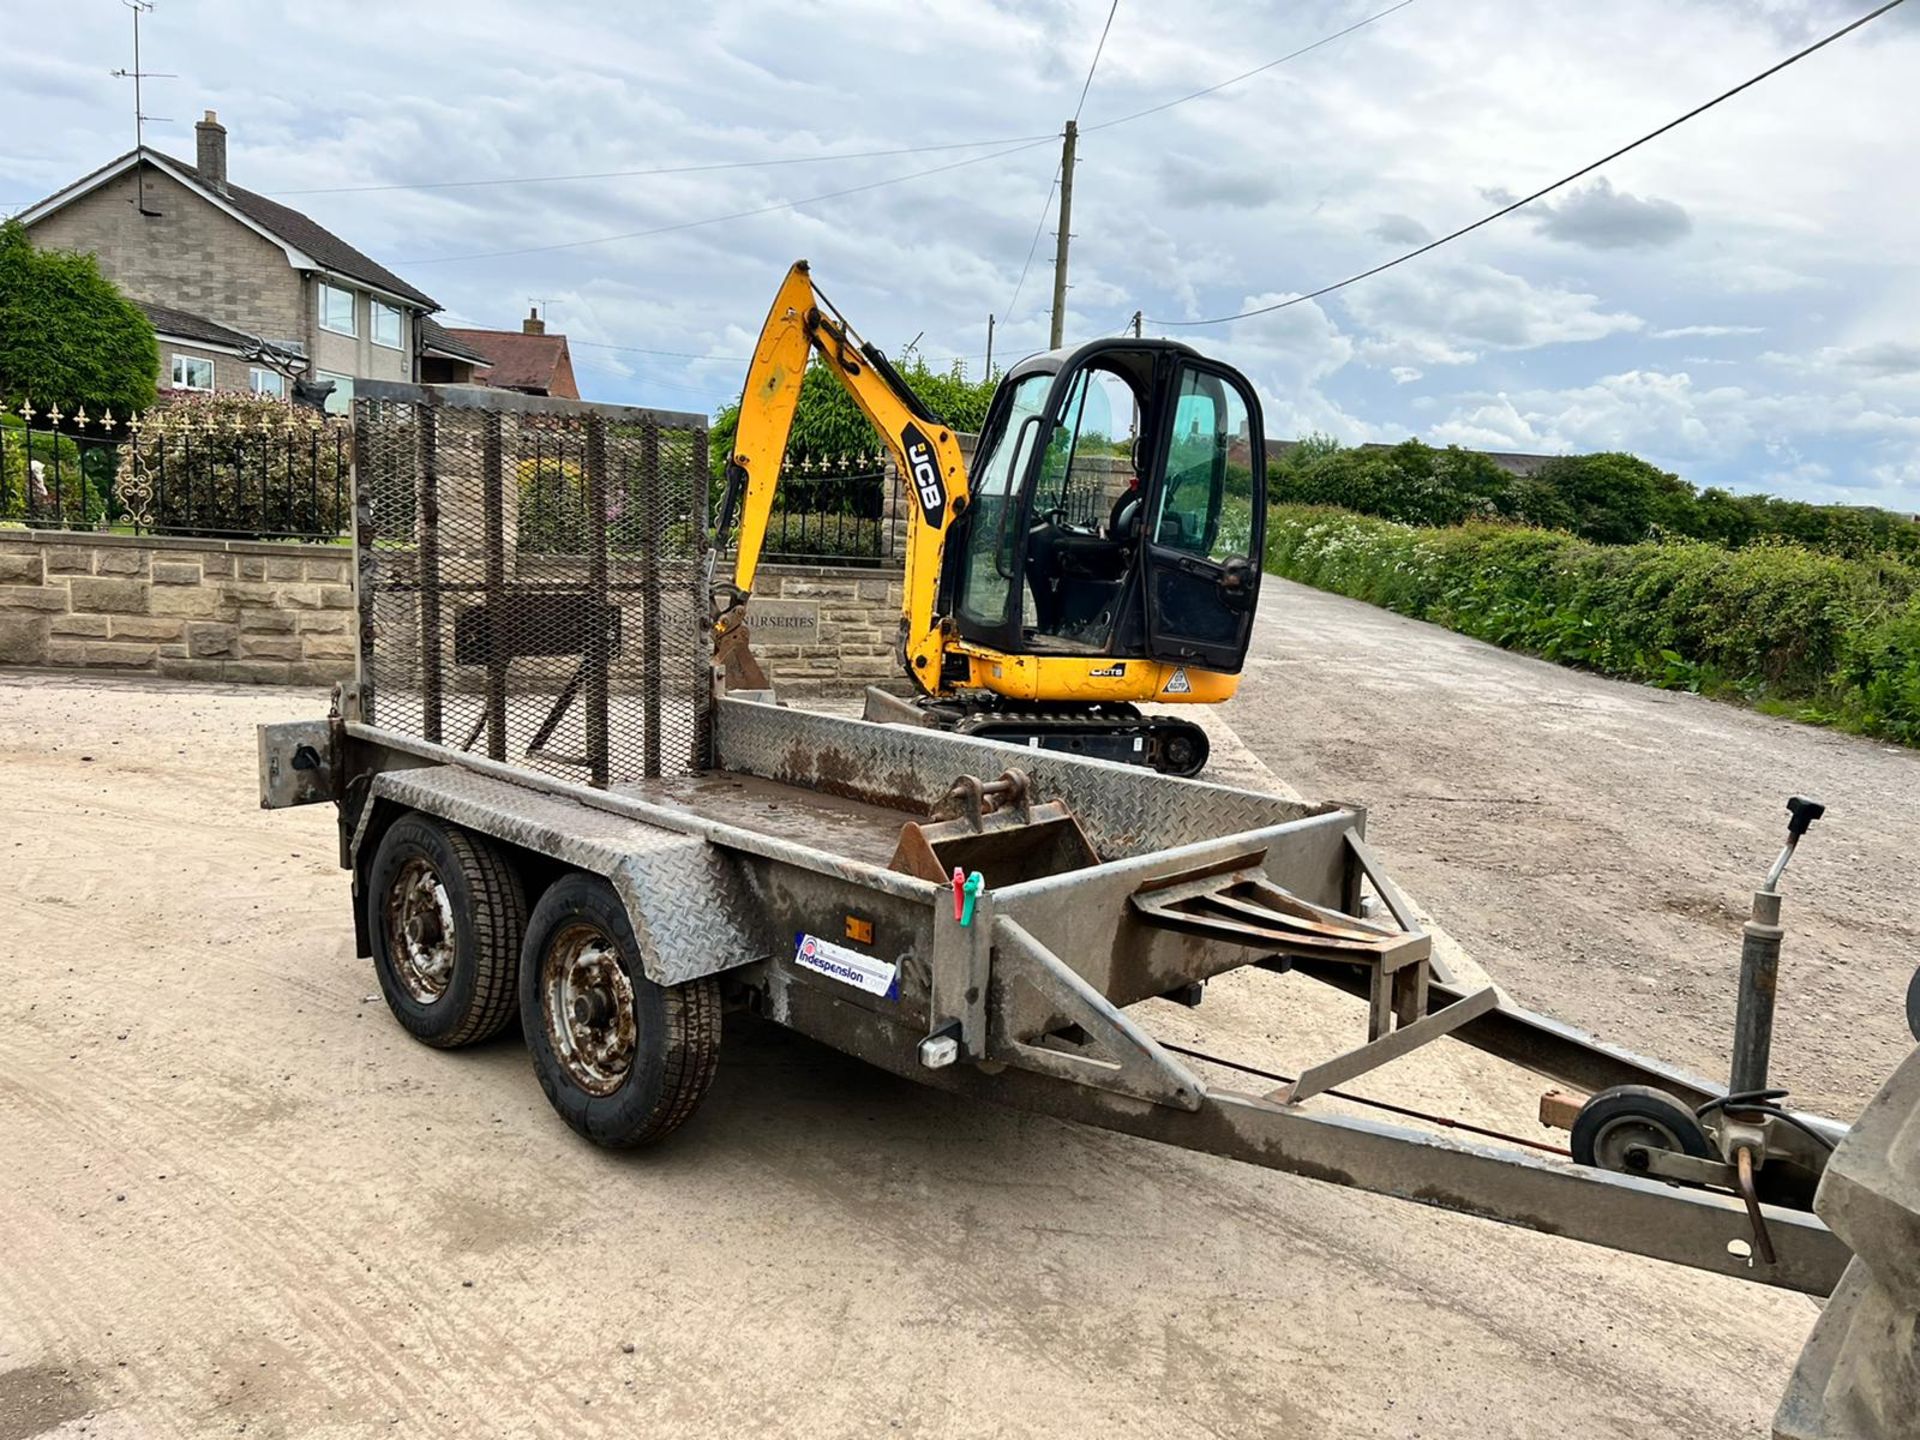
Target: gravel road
<point x="1596" y="845"/>
<point x="237" y="1199"/>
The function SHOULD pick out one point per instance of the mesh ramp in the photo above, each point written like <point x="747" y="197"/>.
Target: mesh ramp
<point x="531" y="578"/>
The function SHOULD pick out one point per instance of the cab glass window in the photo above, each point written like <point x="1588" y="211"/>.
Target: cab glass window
<point x="1206" y="500"/>
<point x="992" y="532"/>
<point x="1087" y="459"/>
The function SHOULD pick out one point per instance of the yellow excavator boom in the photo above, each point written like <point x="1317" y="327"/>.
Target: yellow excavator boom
<point x="800" y="324"/>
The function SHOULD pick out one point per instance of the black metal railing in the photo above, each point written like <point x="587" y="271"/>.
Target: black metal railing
<point x="55" y="479"/>
<point x="226" y="466"/>
<point x="822" y="515"/>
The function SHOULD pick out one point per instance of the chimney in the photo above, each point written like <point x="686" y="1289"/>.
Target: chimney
<point x="210" y="138"/>
<point x="533" y="324"/>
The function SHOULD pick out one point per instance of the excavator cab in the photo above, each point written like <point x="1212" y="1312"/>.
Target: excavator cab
<point x="1118" y="499"/>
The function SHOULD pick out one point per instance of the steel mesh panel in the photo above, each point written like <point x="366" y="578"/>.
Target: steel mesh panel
<point x="531" y="579"/>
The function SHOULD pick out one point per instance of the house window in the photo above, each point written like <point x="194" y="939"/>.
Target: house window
<point x="192" y="373"/>
<point x="336" y="310"/>
<point x="386" y="325"/>
<point x="341" y="400"/>
<point x="267" y="382"/>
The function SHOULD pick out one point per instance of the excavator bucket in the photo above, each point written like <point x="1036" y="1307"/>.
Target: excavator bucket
<point x="994" y="829"/>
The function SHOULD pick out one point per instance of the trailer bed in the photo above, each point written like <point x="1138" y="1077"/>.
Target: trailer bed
<point x="851" y="829"/>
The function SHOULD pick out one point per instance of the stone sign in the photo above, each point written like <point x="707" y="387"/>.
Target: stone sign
<point x="783" y="622"/>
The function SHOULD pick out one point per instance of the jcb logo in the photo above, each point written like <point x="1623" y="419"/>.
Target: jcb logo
<point x="926" y="479"/>
<point x="927" y="488"/>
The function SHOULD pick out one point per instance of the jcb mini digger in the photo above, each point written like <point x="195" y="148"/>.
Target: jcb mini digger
<point x="1038" y="608"/>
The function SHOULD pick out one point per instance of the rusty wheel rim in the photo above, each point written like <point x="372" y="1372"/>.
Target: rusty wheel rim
<point x="420" y="931"/>
<point x="588" y="1004"/>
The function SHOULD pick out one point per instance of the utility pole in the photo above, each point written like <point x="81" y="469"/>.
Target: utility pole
<point x="989" y="344"/>
<point x="1066" y="229"/>
<point x="1133" y="425"/>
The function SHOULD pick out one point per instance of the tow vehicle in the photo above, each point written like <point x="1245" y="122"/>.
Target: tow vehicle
<point x="554" y="806"/>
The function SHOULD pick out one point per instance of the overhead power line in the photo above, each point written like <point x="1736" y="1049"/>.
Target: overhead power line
<point x="1112" y="10"/>
<point x="1249" y="74"/>
<point x="666" y="169"/>
<point x="1584" y="170"/>
<point x="779" y="160"/>
<point x="1011" y="145"/>
<point x="1046" y="209"/>
<point x="1046" y="206"/>
<point x="676" y="354"/>
<point x="735" y="215"/>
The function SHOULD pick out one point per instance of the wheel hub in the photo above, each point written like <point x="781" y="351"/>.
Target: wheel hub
<point x="420" y="931"/>
<point x="1621" y="1146"/>
<point x="588" y="1004"/>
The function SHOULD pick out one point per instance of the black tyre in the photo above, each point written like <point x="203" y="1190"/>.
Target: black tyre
<point x="447" y="913"/>
<point x="1611" y="1123"/>
<point x="623" y="1060"/>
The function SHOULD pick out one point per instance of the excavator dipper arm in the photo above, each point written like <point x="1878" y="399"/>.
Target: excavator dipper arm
<point x="925" y="449"/>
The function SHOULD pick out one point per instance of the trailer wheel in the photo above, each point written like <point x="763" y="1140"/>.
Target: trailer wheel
<point x="623" y="1060"/>
<point x="447" y="914"/>
<point x="1614" y="1121"/>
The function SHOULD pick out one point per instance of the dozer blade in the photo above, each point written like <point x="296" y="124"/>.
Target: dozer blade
<point x="885" y="708"/>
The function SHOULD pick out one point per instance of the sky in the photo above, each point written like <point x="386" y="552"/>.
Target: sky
<point x="1738" y="301"/>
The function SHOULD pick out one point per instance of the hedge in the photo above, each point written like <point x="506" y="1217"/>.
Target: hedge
<point x="1828" y="639"/>
<point x="1611" y="498"/>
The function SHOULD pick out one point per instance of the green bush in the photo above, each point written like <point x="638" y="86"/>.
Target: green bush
<point x="73" y="485"/>
<point x="1609" y="498"/>
<point x="68" y="337"/>
<point x="238" y="465"/>
<point x="827" y="424"/>
<point x="552" y="501"/>
<point x="1833" y="639"/>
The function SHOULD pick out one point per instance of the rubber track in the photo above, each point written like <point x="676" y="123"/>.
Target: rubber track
<point x="499" y="926"/>
<point x="1120" y="720"/>
<point x="693" y="1055"/>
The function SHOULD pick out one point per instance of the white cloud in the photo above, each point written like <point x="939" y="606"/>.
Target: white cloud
<point x="1602" y="218"/>
<point x="1450" y="313"/>
<point x="1274" y="185"/>
<point x="1884" y="359"/>
<point x="1671" y="420"/>
<point x="1400" y="230"/>
<point x="1190" y="183"/>
<point x="1704" y="332"/>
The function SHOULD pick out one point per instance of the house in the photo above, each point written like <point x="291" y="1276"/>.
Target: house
<point x="243" y="291"/>
<point x="528" y="359"/>
<point x="446" y="360"/>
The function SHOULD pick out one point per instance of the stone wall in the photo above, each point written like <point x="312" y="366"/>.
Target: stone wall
<point x="185" y="608"/>
<point x="850" y="643"/>
<point x="284" y="613"/>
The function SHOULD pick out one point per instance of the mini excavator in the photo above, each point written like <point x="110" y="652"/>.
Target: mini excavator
<point x="1101" y="550"/>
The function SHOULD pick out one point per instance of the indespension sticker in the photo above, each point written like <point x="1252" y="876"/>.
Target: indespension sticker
<point x="850" y="967"/>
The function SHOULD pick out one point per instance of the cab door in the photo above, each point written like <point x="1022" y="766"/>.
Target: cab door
<point x="1206" y="520"/>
